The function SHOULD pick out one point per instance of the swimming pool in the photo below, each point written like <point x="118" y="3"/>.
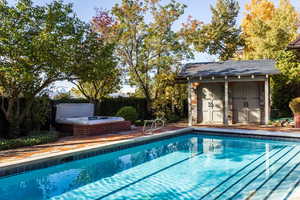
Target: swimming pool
<point x="190" y="166"/>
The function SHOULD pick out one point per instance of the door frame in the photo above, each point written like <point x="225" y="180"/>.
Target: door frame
<point x="200" y="100"/>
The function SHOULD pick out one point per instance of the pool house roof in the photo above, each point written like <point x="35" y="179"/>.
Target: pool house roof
<point x="229" y="68"/>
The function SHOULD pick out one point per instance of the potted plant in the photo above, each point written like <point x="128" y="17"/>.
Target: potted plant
<point x="295" y="107"/>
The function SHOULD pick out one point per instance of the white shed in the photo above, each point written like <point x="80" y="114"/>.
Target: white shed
<point x="229" y="92"/>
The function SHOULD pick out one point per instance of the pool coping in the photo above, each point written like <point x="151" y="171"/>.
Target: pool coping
<point x="279" y="135"/>
<point x="42" y="161"/>
<point x="38" y="162"/>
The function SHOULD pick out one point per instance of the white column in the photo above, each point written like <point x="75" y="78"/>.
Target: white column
<point x="190" y="102"/>
<point x="267" y="100"/>
<point x="226" y="102"/>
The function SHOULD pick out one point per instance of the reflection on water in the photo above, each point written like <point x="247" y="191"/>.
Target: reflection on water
<point x="52" y="181"/>
<point x="45" y="183"/>
<point x="213" y="146"/>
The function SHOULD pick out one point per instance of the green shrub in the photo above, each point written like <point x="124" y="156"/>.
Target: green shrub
<point x="33" y="139"/>
<point x="295" y="105"/>
<point x="173" y="118"/>
<point x="128" y="113"/>
<point x="139" y="123"/>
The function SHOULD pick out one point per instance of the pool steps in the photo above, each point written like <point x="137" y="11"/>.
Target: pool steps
<point x="284" y="155"/>
<point x="235" y="190"/>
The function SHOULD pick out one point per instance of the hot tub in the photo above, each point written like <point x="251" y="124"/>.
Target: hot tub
<point x="78" y="119"/>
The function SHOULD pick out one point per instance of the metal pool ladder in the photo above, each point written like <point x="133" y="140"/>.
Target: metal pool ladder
<point x="154" y="125"/>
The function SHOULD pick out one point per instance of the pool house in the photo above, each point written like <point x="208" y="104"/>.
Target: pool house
<point x="229" y="92"/>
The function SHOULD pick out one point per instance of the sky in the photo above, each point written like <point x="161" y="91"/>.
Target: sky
<point x="199" y="9"/>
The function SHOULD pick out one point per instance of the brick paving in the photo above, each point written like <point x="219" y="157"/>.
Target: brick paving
<point x="71" y="143"/>
<point x="77" y="142"/>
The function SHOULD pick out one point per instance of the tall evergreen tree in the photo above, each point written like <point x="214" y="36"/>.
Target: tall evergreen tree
<point x="222" y="35"/>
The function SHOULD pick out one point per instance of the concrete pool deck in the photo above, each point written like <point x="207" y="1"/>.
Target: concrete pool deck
<point x="69" y="145"/>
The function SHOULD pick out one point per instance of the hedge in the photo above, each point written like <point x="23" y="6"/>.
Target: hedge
<point x="34" y="139"/>
<point x="107" y="107"/>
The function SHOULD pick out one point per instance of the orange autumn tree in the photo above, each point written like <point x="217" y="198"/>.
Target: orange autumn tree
<point x="268" y="29"/>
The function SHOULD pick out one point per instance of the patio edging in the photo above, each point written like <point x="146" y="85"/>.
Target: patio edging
<point x="245" y="132"/>
<point x="65" y="156"/>
<point x="28" y="164"/>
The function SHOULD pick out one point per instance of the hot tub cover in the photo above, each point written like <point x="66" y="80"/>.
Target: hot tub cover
<point x="74" y="110"/>
<point x="86" y="121"/>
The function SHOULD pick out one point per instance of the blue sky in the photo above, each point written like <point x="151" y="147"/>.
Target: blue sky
<point x="199" y="9"/>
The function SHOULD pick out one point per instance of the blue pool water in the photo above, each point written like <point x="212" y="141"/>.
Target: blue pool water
<point x="188" y="167"/>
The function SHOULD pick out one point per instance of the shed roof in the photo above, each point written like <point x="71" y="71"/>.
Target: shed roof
<point x="229" y="68"/>
<point x="295" y="44"/>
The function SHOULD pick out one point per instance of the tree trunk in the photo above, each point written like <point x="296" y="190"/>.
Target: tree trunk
<point x="97" y="104"/>
<point x="15" y="115"/>
<point x="14" y="129"/>
<point x="149" y="107"/>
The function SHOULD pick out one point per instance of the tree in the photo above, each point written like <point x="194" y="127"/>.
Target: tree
<point x="288" y="80"/>
<point x="146" y="48"/>
<point x="63" y="95"/>
<point x="219" y="37"/>
<point x="172" y="95"/>
<point x="267" y="29"/>
<point x="37" y="46"/>
<point x="97" y="71"/>
<point x="96" y="90"/>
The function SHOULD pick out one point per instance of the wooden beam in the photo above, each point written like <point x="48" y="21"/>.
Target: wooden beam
<point x="226" y="110"/>
<point x="190" y="103"/>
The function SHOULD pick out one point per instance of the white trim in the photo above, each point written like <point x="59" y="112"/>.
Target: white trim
<point x="267" y="100"/>
<point x="230" y="79"/>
